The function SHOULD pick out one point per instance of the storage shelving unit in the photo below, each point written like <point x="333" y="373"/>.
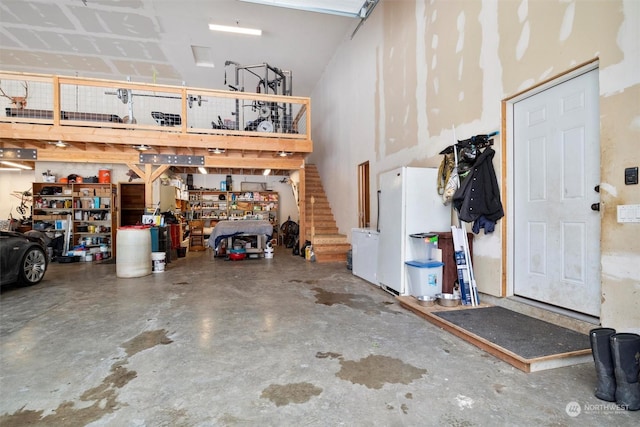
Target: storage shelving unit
<point x="53" y="209"/>
<point x="84" y="212"/>
<point x="208" y="205"/>
<point x="221" y="205"/>
<point x="174" y="197"/>
<point x="94" y="222"/>
<point x="262" y="203"/>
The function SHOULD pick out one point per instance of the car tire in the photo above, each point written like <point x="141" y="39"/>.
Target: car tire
<point x="33" y="266"/>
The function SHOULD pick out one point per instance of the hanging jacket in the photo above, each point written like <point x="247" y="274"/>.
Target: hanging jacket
<point x="479" y="194"/>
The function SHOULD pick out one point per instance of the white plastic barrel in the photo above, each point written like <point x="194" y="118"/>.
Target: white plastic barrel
<point x="133" y="251"/>
<point x="158" y="262"/>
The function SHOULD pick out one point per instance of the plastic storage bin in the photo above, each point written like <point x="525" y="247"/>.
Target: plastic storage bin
<point x="425" y="277"/>
<point x="424" y="245"/>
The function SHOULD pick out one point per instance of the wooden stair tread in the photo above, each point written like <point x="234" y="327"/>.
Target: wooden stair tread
<point x="328" y="244"/>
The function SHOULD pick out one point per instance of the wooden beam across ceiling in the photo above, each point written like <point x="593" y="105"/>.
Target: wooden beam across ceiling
<point x="102" y="137"/>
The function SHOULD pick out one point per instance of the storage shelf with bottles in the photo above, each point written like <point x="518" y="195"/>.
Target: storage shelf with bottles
<point x="205" y="204"/>
<point x="86" y="210"/>
<point x="222" y="205"/>
<point x="52" y="206"/>
<point x="94" y="221"/>
<point x="260" y="204"/>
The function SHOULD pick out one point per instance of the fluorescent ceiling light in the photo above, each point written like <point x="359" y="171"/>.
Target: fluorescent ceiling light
<point x="10" y="169"/>
<point x="266" y="172"/>
<point x="216" y="150"/>
<point x="15" y="165"/>
<point x="237" y="30"/>
<point x="142" y="147"/>
<point x="202" y="170"/>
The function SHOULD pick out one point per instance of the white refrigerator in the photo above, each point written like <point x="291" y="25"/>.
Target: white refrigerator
<point x="408" y="203"/>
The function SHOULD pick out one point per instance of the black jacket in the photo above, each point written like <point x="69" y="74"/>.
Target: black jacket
<point x="479" y="194"/>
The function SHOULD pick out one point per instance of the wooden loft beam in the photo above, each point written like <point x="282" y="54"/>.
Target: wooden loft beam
<point x="119" y="157"/>
<point x="24" y="131"/>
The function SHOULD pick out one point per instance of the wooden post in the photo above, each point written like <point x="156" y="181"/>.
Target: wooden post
<point x="148" y="176"/>
<point x="313" y="228"/>
<point x="302" y="201"/>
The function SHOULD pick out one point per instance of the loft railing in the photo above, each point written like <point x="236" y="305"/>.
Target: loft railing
<point x="74" y="101"/>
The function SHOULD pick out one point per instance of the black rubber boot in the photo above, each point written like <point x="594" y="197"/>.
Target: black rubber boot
<point x="625" y="349"/>
<point x="601" y="349"/>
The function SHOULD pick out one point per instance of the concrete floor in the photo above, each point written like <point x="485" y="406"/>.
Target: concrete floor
<point x="268" y="342"/>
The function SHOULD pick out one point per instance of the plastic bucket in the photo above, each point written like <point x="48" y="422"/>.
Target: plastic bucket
<point x="158" y="261"/>
<point x="104" y="176"/>
<point x="268" y="252"/>
<point x="133" y="248"/>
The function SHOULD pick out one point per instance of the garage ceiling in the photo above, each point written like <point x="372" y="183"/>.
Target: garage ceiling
<point x="154" y="41"/>
<point x="169" y="42"/>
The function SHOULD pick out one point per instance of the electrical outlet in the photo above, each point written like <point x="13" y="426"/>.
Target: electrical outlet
<point x="628" y="213"/>
<point x="631" y="176"/>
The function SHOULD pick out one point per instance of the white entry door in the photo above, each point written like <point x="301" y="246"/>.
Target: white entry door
<point x="556" y="171"/>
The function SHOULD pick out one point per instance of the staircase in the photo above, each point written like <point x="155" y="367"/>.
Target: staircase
<point x="328" y="244"/>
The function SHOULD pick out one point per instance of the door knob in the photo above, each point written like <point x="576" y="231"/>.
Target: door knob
<point x="595" y="207"/>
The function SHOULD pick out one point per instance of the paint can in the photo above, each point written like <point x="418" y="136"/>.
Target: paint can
<point x="158" y="262"/>
<point x="104" y="176"/>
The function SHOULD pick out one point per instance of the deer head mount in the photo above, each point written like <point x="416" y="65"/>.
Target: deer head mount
<point x="19" y="102"/>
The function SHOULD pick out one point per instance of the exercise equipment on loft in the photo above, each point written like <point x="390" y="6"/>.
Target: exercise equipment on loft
<point x="272" y="116"/>
<point x="163" y="119"/>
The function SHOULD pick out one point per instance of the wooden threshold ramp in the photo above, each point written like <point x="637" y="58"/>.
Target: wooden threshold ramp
<point x="524" y="342"/>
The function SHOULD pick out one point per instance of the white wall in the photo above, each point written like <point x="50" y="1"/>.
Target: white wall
<point x="417" y="69"/>
<point x="11" y="182"/>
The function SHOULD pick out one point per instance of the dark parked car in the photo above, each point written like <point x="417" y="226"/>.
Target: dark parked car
<point x="23" y="258"/>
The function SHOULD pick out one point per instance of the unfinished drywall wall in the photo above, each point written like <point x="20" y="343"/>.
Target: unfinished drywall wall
<point x="455" y="78"/>
<point x="469" y="55"/>
<point x="398" y="124"/>
<point x="542" y="39"/>
<point x="620" y="242"/>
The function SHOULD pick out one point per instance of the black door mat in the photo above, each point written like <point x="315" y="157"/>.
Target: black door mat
<point x="523" y="335"/>
<point x="525" y="342"/>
